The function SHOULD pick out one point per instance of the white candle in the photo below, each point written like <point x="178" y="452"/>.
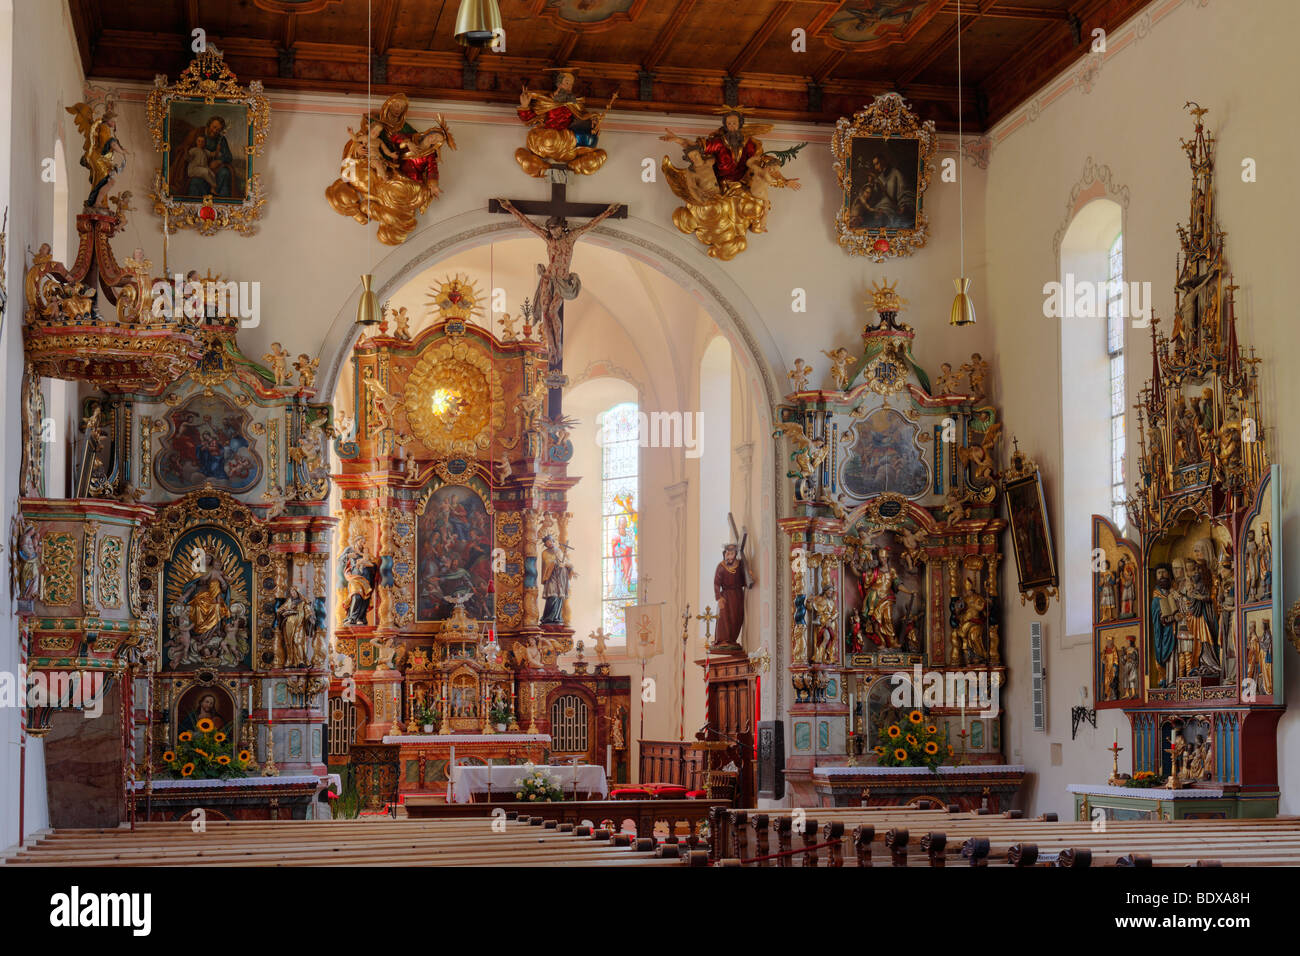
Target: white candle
<point x="609" y="759"/>
<point x="1116" y="736"/>
<point x="270" y="701"/>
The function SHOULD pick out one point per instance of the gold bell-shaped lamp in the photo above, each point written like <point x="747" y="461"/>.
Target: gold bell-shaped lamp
<point x="477" y="22"/>
<point x="368" y="307"/>
<point x="963" y="308"/>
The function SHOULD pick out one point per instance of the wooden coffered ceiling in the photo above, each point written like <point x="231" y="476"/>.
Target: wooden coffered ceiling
<point x="682" y="56"/>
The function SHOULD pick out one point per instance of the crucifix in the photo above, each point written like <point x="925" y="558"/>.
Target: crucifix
<point x="555" y="281"/>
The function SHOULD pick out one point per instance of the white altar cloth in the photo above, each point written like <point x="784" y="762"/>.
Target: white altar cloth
<point x="467" y="779"/>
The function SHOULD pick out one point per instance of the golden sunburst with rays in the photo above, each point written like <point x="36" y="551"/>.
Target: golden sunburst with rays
<point x="455" y="297"/>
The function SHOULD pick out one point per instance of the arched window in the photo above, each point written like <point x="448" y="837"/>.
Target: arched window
<point x="620" y="441"/>
<point x="1115" y="350"/>
<point x="1094" y="396"/>
<point x="714" y="498"/>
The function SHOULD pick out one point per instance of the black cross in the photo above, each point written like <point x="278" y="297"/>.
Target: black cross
<point x="560" y="206"/>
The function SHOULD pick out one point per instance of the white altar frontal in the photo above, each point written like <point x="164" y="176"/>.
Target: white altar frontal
<point x="580" y="782"/>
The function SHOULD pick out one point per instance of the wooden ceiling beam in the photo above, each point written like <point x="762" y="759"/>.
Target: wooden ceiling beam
<point x="1001" y="11"/>
<point x="940" y="46"/>
<point x="83" y="28"/>
<point x="666" y="34"/>
<point x="764" y="33"/>
<point x="828" y="66"/>
<point x="565" y="49"/>
<point x="384" y="25"/>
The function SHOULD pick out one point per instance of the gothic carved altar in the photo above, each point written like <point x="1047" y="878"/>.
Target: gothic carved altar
<point x="1187" y="617"/>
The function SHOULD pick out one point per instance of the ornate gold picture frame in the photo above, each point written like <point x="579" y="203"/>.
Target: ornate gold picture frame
<point x="884" y="157"/>
<point x="209" y="130"/>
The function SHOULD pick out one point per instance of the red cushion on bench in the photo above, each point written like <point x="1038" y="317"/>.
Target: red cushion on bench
<point x="629" y="793"/>
<point x="668" y="791"/>
<point x="697" y="794"/>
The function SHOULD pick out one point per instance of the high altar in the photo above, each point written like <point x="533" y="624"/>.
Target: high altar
<point x="1188" y="617"/>
<point x="453" y="504"/>
<point x="894" y="562"/>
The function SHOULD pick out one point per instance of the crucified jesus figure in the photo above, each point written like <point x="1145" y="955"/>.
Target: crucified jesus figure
<point x="555" y="281"/>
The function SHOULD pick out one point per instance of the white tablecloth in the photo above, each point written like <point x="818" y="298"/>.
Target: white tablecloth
<point x="474" y="779"/>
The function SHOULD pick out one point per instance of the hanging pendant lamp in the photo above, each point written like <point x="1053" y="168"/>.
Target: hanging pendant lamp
<point x="477" y="22"/>
<point x="963" y="309"/>
<point x="368" y="306"/>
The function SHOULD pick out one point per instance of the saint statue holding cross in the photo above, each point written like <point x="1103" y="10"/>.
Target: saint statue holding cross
<point x="730" y="581"/>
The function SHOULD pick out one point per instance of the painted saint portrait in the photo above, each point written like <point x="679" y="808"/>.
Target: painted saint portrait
<point x="207" y="588"/>
<point x="1030" y="534"/>
<point x="454" y="554"/>
<point x="200" y="703"/>
<point x="884" y="457"/>
<point x="208" y="151"/>
<point x="208" y="443"/>
<point x="883" y="177"/>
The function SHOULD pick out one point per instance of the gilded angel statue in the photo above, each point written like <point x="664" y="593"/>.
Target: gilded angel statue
<point x="981" y="458"/>
<point x="101" y="153"/>
<point x="725" y="182"/>
<point x="808" y="454"/>
<point x="389" y="170"/>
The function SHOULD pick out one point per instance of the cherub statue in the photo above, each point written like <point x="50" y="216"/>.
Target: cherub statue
<point x="799" y="375"/>
<point x="345" y="426"/>
<point x="841" y="359"/>
<point x="912" y="546"/>
<point x="946" y="382"/>
<point x="598" y="636"/>
<point x="977" y="369"/>
<point x="531" y="404"/>
<point x="278" y="360"/>
<point x="401" y="324"/>
<point x="508" y="332"/>
<point x="503" y="468"/>
<point x="955" y="506"/>
<point x="306" y="367"/>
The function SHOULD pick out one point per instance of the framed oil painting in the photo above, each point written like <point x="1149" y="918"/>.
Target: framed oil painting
<point x="209" y="131"/>
<point x="454" y="554"/>
<point x="1031" y="535"/>
<point x="884" y="157"/>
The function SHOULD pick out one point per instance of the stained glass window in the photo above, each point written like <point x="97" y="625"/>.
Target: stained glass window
<point x="620" y="499"/>
<point x="1115" y="350"/>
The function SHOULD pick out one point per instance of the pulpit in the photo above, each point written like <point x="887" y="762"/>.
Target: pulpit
<point x="731" y="685"/>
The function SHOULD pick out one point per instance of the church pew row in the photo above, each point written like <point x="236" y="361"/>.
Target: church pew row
<point x="471" y="842"/>
<point x="937" y="838"/>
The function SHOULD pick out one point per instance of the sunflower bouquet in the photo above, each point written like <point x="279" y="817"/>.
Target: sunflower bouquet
<point x="913" y="741"/>
<point x="206" y="753"/>
<point x="537" y="785"/>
